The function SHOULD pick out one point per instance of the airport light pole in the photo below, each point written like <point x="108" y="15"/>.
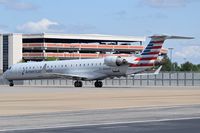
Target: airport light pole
<point x="171" y="49"/>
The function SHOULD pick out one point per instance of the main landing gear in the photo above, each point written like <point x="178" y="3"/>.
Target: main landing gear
<point x="78" y="84"/>
<point x="11" y="84"/>
<point x="98" y="84"/>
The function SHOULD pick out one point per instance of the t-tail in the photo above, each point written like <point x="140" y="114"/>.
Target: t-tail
<point x="150" y="54"/>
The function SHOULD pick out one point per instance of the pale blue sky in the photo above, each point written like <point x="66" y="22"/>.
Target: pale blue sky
<point x="116" y="17"/>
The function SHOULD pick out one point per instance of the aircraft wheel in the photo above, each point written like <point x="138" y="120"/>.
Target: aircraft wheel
<point x="11" y="84"/>
<point x="98" y="84"/>
<point x="78" y="84"/>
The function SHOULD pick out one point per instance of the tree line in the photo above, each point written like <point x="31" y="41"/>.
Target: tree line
<point x="174" y="66"/>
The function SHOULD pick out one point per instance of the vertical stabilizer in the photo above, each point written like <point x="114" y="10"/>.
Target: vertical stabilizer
<point x="150" y="54"/>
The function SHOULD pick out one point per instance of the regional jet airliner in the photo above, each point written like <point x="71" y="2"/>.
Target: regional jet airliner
<point x="91" y="69"/>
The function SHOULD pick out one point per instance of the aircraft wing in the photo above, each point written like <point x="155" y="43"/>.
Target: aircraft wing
<point x="67" y="76"/>
<point x="74" y="75"/>
<point x="80" y="76"/>
<point x="155" y="73"/>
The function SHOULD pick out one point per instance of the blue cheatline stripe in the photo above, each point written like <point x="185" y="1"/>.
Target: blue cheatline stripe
<point x="160" y="44"/>
<point x="157" y="41"/>
<point x="149" y="53"/>
<point x="151" y="50"/>
<point x="151" y="47"/>
<point x="147" y="50"/>
<point x="150" y="44"/>
<point x="145" y="53"/>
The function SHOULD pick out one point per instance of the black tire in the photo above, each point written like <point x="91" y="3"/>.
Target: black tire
<point x="98" y="84"/>
<point x="80" y="84"/>
<point x="76" y="84"/>
<point x="11" y="84"/>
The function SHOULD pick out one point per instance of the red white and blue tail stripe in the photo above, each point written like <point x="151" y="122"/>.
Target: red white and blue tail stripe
<point x="153" y="49"/>
<point x="150" y="54"/>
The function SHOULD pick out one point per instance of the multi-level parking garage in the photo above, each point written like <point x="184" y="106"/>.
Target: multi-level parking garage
<point x="37" y="47"/>
<point x="41" y="46"/>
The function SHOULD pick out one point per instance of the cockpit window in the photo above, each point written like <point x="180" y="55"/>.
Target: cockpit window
<point x="9" y="68"/>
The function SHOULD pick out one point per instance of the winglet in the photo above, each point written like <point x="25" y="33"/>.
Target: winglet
<point x="158" y="71"/>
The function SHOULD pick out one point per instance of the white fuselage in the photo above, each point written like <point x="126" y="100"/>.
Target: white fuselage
<point x="93" y="69"/>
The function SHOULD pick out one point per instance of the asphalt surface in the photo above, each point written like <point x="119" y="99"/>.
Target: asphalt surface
<point x="151" y="118"/>
<point x="174" y="126"/>
<point x="97" y="117"/>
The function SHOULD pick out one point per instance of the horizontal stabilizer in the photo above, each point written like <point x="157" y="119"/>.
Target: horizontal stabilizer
<point x="170" y="37"/>
<point x="155" y="73"/>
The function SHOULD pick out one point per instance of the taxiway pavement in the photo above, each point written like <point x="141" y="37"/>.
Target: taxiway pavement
<point x="46" y="109"/>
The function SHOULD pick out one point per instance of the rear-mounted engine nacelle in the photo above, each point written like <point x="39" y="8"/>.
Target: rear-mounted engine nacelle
<point x="114" y="61"/>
